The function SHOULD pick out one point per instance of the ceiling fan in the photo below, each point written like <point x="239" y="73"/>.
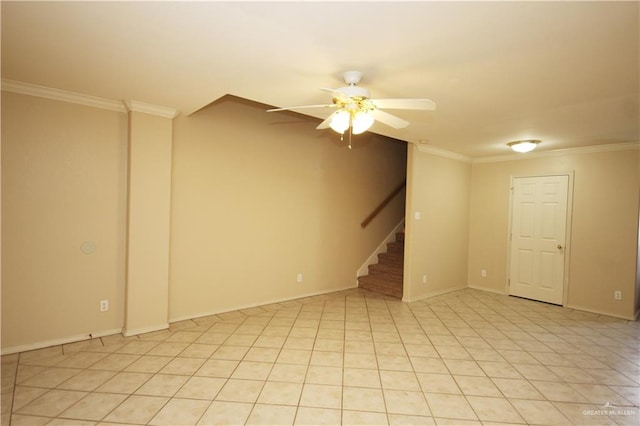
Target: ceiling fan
<point x="356" y="111"/>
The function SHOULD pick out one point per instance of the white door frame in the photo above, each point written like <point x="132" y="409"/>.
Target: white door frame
<point x="567" y="246"/>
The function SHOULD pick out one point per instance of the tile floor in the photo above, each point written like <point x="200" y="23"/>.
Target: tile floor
<point x="350" y="357"/>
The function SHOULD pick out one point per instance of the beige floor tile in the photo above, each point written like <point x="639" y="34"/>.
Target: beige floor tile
<point x="115" y="362"/>
<point x="51" y="403"/>
<point x="70" y="422"/>
<point x="536" y="372"/>
<point x="262" y="355"/>
<point x="330" y="345"/>
<point x="362" y="399"/>
<point x="438" y="383"/>
<point x="559" y="392"/>
<point x="399" y="380"/>
<point x="184" y="336"/>
<point x="630" y="393"/>
<point x="180" y="412"/>
<point x="148" y="364"/>
<point x="312" y="416"/>
<point x="137" y="409"/>
<point x="198" y="350"/>
<point x="288" y="373"/>
<point x="182" y="366"/>
<point x="360" y="360"/>
<point x="360" y="377"/>
<point x="227" y="352"/>
<point x="318" y="374"/>
<point x="217" y="368"/>
<point x="87" y="380"/>
<point x="137" y="347"/>
<point x="162" y="385"/>
<point x="212" y="338"/>
<point x="600" y="394"/>
<point x="292" y="356"/>
<point x="394" y="362"/>
<point x="240" y="390"/>
<point x="81" y="359"/>
<point x="201" y="388"/>
<point x="407" y="420"/>
<point x="406" y="402"/>
<point x="24" y="420"/>
<point x="241" y="339"/>
<point x="489" y="409"/>
<point x="270" y="342"/>
<point x="263" y="414"/>
<point x="51" y="377"/>
<point x="458" y="422"/>
<point x="321" y="396"/>
<point x="364" y="418"/>
<point x="94" y="406"/>
<point x="124" y="382"/>
<point x="168" y="349"/>
<point x="252" y="370"/>
<point x="449" y="406"/>
<point x="464" y="367"/>
<point x="517" y="389"/>
<point x="326" y="358"/>
<point x="539" y="412"/>
<point x="280" y="393"/>
<point x="583" y="414"/>
<point x="499" y="369"/>
<point x="478" y="386"/>
<point x="24" y="395"/>
<point x="226" y="413"/>
<point x="302" y="343"/>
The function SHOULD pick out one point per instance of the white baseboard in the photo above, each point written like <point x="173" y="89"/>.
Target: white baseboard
<point x="597" y="312"/>
<point x="364" y="269"/>
<point x="487" y="289"/>
<point x="61" y="341"/>
<point x="143" y="330"/>
<point x="254" y="305"/>
<point x="434" y="294"/>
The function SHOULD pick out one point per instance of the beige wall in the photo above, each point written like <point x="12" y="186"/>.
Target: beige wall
<point x="63" y="184"/>
<point x="436" y="244"/>
<point x="259" y="197"/>
<point x="604" y="233"/>
<point x="148" y="222"/>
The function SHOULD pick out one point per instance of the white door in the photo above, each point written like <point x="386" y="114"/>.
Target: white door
<point x="538" y="232"/>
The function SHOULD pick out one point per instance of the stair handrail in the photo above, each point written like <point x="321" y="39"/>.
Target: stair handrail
<point x="383" y="204"/>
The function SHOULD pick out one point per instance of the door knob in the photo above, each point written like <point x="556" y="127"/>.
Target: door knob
<point x="559" y="246"/>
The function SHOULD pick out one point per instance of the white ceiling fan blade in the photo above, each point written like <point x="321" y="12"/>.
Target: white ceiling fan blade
<point x="388" y="119"/>
<point x="335" y="93"/>
<point x="325" y="123"/>
<point x="425" y="104"/>
<point x="301" y="107"/>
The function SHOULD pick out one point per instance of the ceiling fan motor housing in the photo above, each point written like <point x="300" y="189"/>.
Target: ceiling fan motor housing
<point x="355" y="92"/>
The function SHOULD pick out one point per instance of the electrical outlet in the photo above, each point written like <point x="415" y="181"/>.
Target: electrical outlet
<point x="299" y="278"/>
<point x="424" y="279"/>
<point x="617" y="295"/>
<point x="483" y="273"/>
<point x="104" y="305"/>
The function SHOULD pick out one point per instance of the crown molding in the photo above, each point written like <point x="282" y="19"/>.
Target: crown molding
<point x="62" y="95"/>
<point x="158" y="110"/>
<point x="444" y="153"/>
<point x="623" y="146"/>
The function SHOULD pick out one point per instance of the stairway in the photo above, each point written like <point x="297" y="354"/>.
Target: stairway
<point x="385" y="277"/>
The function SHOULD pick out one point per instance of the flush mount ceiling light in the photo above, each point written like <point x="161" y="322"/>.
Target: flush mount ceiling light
<point x="525" y="145"/>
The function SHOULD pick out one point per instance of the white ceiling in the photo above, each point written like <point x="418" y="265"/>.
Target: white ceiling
<point x="564" y="72"/>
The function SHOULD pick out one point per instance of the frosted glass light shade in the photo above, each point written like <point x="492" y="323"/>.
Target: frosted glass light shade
<point x="340" y="121"/>
<point x="524" y="145"/>
<point x="361" y="122"/>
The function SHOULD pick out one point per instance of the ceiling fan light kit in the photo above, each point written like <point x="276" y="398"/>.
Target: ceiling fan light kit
<point x="525" y="145"/>
<point x="355" y="110"/>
